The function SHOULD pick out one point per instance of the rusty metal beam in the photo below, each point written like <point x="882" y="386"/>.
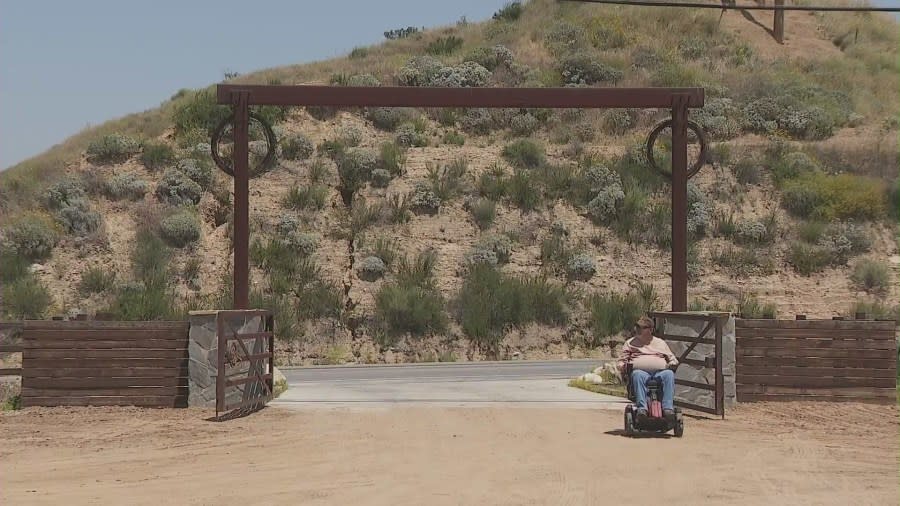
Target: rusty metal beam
<point x="403" y="96"/>
<point x="240" y="102"/>
<point x="679" y="203"/>
<point x="778" y="26"/>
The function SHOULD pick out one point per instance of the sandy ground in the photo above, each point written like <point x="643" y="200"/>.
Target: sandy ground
<point x="775" y="454"/>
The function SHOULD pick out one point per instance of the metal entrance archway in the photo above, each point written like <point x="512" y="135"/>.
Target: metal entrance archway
<point x="678" y="100"/>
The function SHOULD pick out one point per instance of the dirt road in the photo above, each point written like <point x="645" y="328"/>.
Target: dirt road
<point x="762" y="454"/>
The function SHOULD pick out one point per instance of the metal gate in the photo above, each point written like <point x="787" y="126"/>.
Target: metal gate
<point x="702" y="352"/>
<point x="246" y="361"/>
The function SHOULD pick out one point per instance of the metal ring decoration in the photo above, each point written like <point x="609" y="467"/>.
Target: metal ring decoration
<point x="701" y="136"/>
<point x="271" y="146"/>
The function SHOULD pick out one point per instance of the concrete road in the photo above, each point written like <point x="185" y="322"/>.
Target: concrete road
<point x="514" y="384"/>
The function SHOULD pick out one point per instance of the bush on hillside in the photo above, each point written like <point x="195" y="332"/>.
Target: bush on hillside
<point x="872" y="276"/>
<point x="297" y="147"/>
<point x="156" y="156"/>
<point x="64" y="192"/>
<point x="841" y="197"/>
<point x="180" y="229"/>
<point x="511" y="11"/>
<point x="113" y="148"/>
<point x="410" y="135"/>
<point x="78" y="218"/>
<point x="177" y="189"/>
<point x="584" y="69"/>
<point x="525" y="154"/>
<point x="25" y="298"/>
<point x="444" y="45"/>
<point x="31" y="236"/>
<point x="581" y="267"/>
<point x="125" y="186"/>
<point x="491" y="58"/>
<point x="371" y="268"/>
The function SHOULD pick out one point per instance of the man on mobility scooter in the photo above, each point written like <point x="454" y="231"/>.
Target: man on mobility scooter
<point x="647" y="366"/>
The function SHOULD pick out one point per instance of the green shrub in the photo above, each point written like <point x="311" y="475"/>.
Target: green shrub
<point x="12" y="265"/>
<point x="385" y="249"/>
<point x="489" y="302"/>
<point x="555" y="253"/>
<point x="362" y="216"/>
<point x="354" y="169"/>
<point x="77" y="218"/>
<point x="125" y="186"/>
<point x="447" y="180"/>
<point x="156" y="156"/>
<point x="483" y="212"/>
<point x="454" y="138"/>
<point x="614" y="122"/>
<point x="444" y="45"/>
<point x="894" y="199"/>
<point x="583" y="68"/>
<point x="307" y="197"/>
<point x="493" y="183"/>
<point x="674" y="75"/>
<point x="358" y="53"/>
<point x="477" y="121"/>
<point x="64" y="192"/>
<point x="401" y="33"/>
<point x="792" y="166"/>
<point x="25" y="298"/>
<point x="611" y="313"/>
<point x="750" y="307"/>
<point x="522" y="191"/>
<point x="96" y="280"/>
<point x="381" y="178"/>
<point x="523" y="125"/>
<point x="875" y="309"/>
<point x="389" y="118"/>
<point x="511" y="11"/>
<point x="371" y="268"/>
<point x="392" y="159"/>
<point x="297" y="147"/>
<point x="32" y="236"/>
<point x="144" y="302"/>
<point x="200" y="171"/>
<point x="498" y="244"/>
<point x="808" y="259"/>
<point x="581" y="267"/>
<point x="491" y="58"/>
<point x="525" y="154"/>
<point x="318" y="171"/>
<point x="763" y="231"/>
<point x="113" y="148"/>
<point x="844" y="196"/>
<point x="399" y="207"/>
<point x="746" y="171"/>
<point x="320" y="299"/>
<point x="811" y="232"/>
<point x="180" y="229"/>
<point x="411" y="304"/>
<point x="177" y="189"/>
<point x="410" y="135"/>
<point x="872" y="276"/>
<point x="742" y="262"/>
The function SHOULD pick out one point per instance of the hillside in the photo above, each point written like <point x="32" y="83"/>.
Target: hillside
<point x="388" y="235"/>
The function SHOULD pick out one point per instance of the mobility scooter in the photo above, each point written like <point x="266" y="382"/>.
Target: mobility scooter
<point x="655" y="422"/>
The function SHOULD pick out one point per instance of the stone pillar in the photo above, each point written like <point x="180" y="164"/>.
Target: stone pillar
<point x="203" y="353"/>
<point x="692" y="328"/>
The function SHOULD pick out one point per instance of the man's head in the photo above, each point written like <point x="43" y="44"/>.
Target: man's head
<point x="644" y="327"/>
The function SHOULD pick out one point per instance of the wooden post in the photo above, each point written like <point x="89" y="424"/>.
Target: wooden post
<point x="241" y="201"/>
<point x="779" y="22"/>
<point x="679" y="203"/>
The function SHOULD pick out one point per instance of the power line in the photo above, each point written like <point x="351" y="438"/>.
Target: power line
<point x="720" y="6"/>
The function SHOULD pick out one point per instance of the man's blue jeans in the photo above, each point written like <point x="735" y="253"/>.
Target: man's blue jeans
<point x="639" y="382"/>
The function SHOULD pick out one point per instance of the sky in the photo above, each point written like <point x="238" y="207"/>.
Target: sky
<point x="66" y="65"/>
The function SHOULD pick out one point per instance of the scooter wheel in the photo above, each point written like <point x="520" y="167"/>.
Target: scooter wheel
<point x="679" y="428"/>
<point x="629" y="424"/>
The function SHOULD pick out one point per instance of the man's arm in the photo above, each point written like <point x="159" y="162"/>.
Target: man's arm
<point x="624" y="358"/>
<point x="671" y="360"/>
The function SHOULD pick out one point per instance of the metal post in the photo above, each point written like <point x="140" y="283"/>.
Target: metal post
<point x="779" y="22"/>
<point x="679" y="202"/>
<point x="241" y="201"/>
<point x="720" y="373"/>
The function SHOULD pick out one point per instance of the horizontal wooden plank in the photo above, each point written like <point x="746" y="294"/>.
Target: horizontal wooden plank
<point x="98" y="325"/>
<point x="866" y="344"/>
<point x="687" y="339"/>
<point x="837" y="372"/>
<point x="707" y="362"/>
<point x="695" y="407"/>
<point x="10" y="348"/>
<point x="100" y="363"/>
<point x="762" y="351"/>
<point x="76" y="384"/>
<point x="106" y="372"/>
<point x="250" y="335"/>
<point x="815" y="324"/>
<point x="34" y="354"/>
<point x="689" y="316"/>
<point x="836" y="391"/>
<point x="11" y="371"/>
<point x="889" y="335"/>
<point x="813" y="381"/>
<point x="693" y="384"/>
<point x="249" y="379"/>
<point x="120" y="344"/>
<point x="103" y="335"/>
<point x="872" y="363"/>
<point x="102" y="392"/>
<point x="156" y="401"/>
<point x="748" y="397"/>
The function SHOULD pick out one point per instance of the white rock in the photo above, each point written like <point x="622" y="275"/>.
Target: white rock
<point x="592" y="378"/>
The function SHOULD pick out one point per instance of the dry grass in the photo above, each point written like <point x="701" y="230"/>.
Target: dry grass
<point x="616" y="390"/>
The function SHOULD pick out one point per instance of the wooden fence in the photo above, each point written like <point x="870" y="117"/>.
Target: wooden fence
<point x="828" y="360"/>
<point x="104" y="363"/>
